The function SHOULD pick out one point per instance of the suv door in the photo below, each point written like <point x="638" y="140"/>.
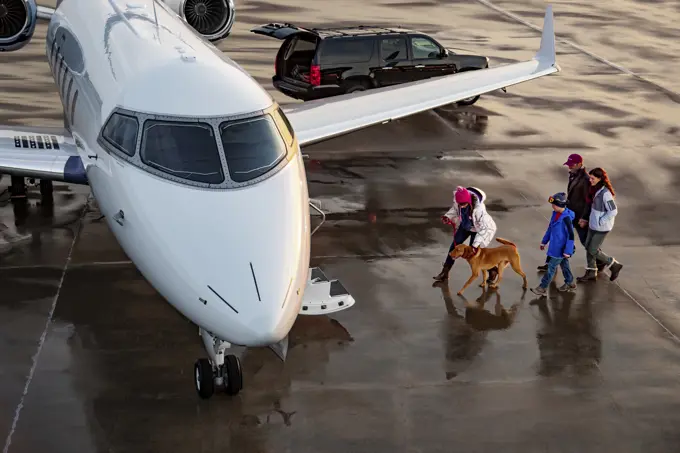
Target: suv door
<point x="429" y="58"/>
<point x="395" y="65"/>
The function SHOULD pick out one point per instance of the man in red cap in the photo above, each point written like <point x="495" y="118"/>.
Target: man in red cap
<point x="577" y="196"/>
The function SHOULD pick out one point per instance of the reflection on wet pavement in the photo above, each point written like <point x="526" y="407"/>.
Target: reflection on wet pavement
<point x="568" y="340"/>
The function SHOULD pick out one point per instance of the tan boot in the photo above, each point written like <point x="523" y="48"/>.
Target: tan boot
<point x="590" y="275"/>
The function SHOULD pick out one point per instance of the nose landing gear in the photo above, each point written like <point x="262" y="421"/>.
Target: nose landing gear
<point x="219" y="370"/>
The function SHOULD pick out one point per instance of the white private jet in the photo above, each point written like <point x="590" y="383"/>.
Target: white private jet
<point x="197" y="170"/>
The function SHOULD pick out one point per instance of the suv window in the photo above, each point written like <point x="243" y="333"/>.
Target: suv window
<point x="346" y="50"/>
<point x="422" y="47"/>
<point x="184" y="150"/>
<point x="393" y="49"/>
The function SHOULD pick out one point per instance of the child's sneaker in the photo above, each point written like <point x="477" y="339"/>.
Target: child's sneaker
<point x="565" y="287"/>
<point x="539" y="291"/>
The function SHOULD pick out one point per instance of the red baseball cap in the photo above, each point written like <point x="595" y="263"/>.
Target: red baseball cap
<point x="574" y="159"/>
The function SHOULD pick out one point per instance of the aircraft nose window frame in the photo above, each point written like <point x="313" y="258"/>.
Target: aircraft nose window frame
<point x="186" y="150"/>
<point x="252" y="146"/>
<point x="282" y="131"/>
<point x="121" y="132"/>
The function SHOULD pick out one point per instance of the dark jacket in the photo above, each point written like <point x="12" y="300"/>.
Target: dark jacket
<point x="577" y="194"/>
<point x="560" y="234"/>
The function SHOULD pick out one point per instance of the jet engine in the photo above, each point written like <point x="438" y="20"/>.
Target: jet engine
<point x="17" y="23"/>
<point x="212" y="19"/>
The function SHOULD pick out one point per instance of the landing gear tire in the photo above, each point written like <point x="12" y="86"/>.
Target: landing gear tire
<point x="234" y="375"/>
<point x="204" y="378"/>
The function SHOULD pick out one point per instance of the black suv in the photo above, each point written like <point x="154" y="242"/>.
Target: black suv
<point x="316" y="63"/>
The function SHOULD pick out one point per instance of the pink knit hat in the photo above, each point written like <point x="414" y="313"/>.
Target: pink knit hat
<point x="461" y="195"/>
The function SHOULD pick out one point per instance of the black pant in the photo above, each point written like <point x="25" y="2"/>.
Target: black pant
<point x="582" y="233"/>
<point x="458" y="238"/>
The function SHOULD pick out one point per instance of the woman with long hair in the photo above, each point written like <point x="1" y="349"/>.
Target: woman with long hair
<point x="603" y="211"/>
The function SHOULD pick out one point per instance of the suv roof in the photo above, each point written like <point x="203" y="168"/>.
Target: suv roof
<point x="359" y="30"/>
<point x="281" y="30"/>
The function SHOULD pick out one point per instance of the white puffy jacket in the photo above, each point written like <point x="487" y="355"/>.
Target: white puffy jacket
<point x="482" y="222"/>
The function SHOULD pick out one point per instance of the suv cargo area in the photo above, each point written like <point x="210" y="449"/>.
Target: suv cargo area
<point x="297" y="73"/>
<point x="294" y="61"/>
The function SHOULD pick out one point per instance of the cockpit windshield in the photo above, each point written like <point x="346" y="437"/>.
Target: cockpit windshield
<point x="184" y="150"/>
<point x="252" y="147"/>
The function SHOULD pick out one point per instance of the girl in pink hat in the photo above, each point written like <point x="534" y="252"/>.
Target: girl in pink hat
<point x="470" y="219"/>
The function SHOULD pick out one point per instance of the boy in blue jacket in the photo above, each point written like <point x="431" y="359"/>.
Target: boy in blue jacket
<point x="560" y="236"/>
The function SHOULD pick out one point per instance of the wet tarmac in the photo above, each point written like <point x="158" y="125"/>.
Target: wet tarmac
<point x="411" y="367"/>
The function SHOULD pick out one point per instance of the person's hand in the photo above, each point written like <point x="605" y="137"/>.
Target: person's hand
<point x="542" y="246"/>
<point x="566" y="255"/>
<point x="582" y="223"/>
<point x="475" y="250"/>
<point x="446" y="220"/>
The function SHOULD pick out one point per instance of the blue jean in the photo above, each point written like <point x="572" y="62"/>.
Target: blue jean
<point x="459" y="238"/>
<point x="552" y="268"/>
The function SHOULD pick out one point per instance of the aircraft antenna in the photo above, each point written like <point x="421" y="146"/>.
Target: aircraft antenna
<point x="121" y="14"/>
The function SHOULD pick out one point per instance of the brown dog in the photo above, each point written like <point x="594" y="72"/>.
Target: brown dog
<point x="487" y="258"/>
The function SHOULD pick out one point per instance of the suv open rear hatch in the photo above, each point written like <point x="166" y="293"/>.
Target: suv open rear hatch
<point x="281" y="31"/>
<point x="293" y="65"/>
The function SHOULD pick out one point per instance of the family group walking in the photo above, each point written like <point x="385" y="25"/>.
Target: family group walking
<point x="588" y="207"/>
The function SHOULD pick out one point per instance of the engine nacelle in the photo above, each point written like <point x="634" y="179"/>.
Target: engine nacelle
<point x="212" y="19"/>
<point x="17" y="23"/>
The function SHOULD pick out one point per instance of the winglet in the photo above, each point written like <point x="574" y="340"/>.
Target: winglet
<point x="546" y="53"/>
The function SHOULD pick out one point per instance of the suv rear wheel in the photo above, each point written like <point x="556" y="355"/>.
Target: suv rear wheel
<point x="356" y="86"/>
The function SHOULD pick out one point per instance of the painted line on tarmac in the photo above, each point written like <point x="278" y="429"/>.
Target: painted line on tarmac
<point x="41" y="342"/>
<point x="674" y="95"/>
<point x="71" y="266"/>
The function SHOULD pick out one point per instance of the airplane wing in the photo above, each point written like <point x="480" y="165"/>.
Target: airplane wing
<point x="319" y="120"/>
<point x="45" y="12"/>
<point x="43" y="153"/>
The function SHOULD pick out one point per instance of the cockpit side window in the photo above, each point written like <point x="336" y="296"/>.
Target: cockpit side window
<point x="252" y="147"/>
<point x="121" y="133"/>
<point x="284" y="126"/>
<point x="183" y="150"/>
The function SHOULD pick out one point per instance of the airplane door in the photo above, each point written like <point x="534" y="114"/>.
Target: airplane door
<point x="395" y="65"/>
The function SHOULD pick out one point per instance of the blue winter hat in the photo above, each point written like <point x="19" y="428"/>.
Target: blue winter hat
<point x="559" y="199"/>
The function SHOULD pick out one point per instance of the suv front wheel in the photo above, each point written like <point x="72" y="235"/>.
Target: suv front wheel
<point x="470" y="100"/>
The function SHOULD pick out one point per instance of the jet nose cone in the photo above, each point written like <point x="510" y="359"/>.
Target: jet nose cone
<point x="276" y="312"/>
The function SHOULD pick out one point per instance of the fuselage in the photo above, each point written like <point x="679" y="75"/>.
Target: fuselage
<point x="193" y="164"/>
